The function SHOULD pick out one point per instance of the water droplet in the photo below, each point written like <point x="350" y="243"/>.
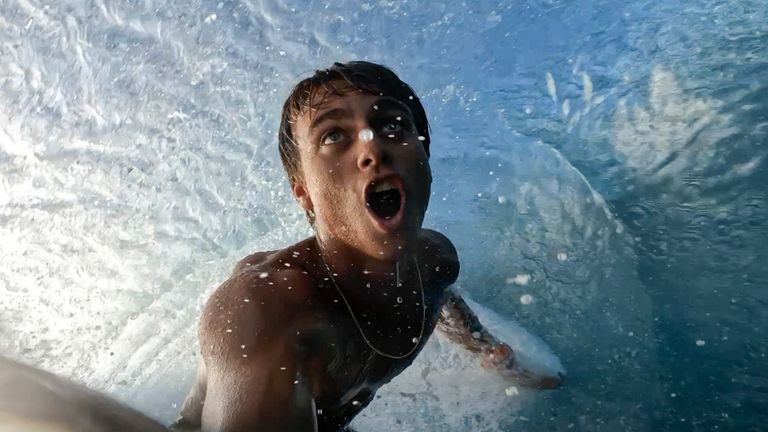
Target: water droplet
<point x="421" y="138"/>
<point x="415" y="340"/>
<point x="263" y="275"/>
<point x="366" y="135"/>
<point x="701" y="342"/>
<point x="562" y="256"/>
<point x="526" y="299"/>
<point x="521" y="279"/>
<point x="355" y="403"/>
<point x="511" y="391"/>
<point x="399" y="300"/>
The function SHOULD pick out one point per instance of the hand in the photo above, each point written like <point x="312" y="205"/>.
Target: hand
<point x="501" y="357"/>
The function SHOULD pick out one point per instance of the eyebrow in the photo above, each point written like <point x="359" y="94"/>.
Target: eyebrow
<point x="332" y="114"/>
<point x="389" y="104"/>
<point x="385" y="104"/>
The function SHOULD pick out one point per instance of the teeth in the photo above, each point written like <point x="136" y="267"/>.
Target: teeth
<point x="381" y="187"/>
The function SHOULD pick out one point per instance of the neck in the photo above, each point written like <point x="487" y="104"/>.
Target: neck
<point x="348" y="262"/>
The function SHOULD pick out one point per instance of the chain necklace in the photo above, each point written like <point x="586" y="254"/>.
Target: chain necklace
<point x="357" y="323"/>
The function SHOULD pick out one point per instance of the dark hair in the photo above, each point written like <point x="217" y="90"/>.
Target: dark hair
<point x="359" y="75"/>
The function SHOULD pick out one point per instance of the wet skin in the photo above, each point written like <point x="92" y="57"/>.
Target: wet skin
<point x="281" y="350"/>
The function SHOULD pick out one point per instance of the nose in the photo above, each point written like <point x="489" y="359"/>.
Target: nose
<point x="372" y="153"/>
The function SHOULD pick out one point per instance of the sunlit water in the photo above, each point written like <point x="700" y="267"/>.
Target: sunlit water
<point x="601" y="167"/>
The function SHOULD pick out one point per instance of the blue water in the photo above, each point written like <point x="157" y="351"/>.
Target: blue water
<point x="606" y="158"/>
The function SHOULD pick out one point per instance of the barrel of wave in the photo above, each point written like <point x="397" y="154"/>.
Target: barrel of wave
<point x="32" y="400"/>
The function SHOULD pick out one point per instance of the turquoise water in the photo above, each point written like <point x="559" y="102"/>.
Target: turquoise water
<point x="605" y="158"/>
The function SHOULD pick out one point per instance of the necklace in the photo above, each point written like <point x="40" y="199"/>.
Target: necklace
<point x="357" y="323"/>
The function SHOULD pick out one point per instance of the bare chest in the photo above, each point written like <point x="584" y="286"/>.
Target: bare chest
<point x="362" y="352"/>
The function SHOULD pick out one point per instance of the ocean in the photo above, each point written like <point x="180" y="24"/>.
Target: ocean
<point x="600" y="166"/>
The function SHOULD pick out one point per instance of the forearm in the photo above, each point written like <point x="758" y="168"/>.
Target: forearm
<point x="460" y="325"/>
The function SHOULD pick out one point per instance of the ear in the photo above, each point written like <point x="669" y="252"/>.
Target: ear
<point x="302" y="195"/>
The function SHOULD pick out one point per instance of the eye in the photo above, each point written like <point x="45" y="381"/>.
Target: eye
<point x="332" y="137"/>
<point x="391" y="127"/>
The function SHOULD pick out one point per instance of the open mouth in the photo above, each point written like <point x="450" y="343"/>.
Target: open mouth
<point x="384" y="200"/>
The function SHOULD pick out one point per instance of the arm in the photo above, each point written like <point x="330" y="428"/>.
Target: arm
<point x="192" y="409"/>
<point x="256" y="378"/>
<point x="460" y="325"/>
<point x="33" y="399"/>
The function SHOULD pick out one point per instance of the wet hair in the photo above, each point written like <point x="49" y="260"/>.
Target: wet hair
<point x="357" y="75"/>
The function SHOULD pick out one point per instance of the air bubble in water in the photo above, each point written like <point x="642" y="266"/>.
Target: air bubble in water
<point x="400" y="300"/>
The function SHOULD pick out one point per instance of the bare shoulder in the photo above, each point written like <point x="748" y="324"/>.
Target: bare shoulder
<point x="442" y="245"/>
<point x="439" y="251"/>
<point x="253" y="260"/>
<point x="253" y="309"/>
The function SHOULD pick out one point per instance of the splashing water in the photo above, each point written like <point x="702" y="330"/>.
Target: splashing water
<point x="138" y="163"/>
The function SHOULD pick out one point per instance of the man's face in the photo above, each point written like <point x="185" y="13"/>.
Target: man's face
<point x="364" y="171"/>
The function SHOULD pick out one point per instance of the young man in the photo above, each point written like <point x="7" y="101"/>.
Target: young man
<point x="300" y="339"/>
